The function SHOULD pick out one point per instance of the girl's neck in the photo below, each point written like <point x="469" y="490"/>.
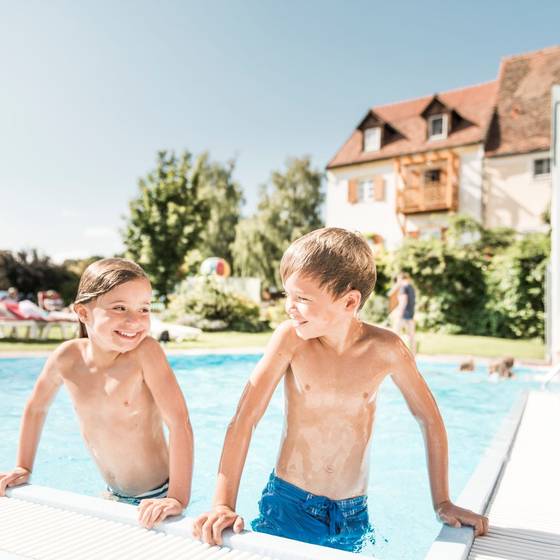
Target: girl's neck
<point x="100" y="357"/>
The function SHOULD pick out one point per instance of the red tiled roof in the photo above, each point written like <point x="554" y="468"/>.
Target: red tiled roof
<point x="521" y="122"/>
<point x="474" y="103"/>
<point x="511" y="115"/>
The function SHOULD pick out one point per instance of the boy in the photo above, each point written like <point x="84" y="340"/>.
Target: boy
<point x="332" y="365"/>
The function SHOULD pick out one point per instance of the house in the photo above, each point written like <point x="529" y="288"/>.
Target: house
<point x="482" y="150"/>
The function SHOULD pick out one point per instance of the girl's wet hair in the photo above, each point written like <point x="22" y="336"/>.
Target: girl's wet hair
<point x="339" y="259"/>
<point x="101" y="277"/>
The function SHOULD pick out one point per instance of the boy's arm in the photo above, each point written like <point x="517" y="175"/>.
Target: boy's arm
<point x="32" y="422"/>
<point x="252" y="405"/>
<point x="424" y="408"/>
<point x="161" y="381"/>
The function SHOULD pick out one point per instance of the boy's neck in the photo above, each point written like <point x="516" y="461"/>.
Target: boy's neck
<point x="343" y="335"/>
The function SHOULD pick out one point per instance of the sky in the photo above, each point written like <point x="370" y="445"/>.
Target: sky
<point x="91" y="90"/>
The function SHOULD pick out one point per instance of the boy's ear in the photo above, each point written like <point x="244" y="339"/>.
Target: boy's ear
<point x="353" y="300"/>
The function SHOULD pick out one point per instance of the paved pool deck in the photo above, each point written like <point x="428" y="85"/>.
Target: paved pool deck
<point x="517" y="485"/>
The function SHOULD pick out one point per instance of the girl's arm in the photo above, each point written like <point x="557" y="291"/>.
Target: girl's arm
<point x="32" y="421"/>
<point x="169" y="399"/>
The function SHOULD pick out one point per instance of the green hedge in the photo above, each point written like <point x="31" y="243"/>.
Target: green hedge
<point x="476" y="281"/>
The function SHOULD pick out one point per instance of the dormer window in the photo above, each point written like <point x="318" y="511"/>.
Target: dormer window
<point x="437" y="127"/>
<point x="372" y="139"/>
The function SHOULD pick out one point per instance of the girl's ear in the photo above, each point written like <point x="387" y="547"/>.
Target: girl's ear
<point x="353" y="300"/>
<point x="81" y="311"/>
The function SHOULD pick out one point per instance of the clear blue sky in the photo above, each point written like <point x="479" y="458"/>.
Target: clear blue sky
<point x="90" y="90"/>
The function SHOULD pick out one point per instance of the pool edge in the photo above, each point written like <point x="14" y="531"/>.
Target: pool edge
<point x="455" y="544"/>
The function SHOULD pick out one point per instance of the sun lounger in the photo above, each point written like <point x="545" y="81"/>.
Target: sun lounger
<point x="27" y="318"/>
<point x="10" y="328"/>
<point x="177" y="333"/>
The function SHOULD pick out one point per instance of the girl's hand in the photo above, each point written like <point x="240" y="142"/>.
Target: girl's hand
<point x="152" y="512"/>
<point x="15" y="477"/>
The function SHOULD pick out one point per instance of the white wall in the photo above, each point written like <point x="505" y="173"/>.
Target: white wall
<point x="470" y="181"/>
<point x="377" y="217"/>
<point x="515" y="198"/>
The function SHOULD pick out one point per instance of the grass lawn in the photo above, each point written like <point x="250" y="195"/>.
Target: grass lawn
<point x="429" y="344"/>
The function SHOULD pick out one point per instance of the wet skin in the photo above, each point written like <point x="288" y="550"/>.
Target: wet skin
<point x="329" y="415"/>
<point x="123" y="390"/>
<point x="332" y="365"/>
<point x="120" y="422"/>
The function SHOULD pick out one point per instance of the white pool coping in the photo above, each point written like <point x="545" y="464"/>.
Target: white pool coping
<point x="251" y="542"/>
<point x="455" y="544"/>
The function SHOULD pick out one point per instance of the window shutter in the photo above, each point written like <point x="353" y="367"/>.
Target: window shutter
<point x="352" y="191"/>
<point x="379" y="189"/>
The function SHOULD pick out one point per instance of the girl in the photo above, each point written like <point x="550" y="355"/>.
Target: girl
<point x="122" y="389"/>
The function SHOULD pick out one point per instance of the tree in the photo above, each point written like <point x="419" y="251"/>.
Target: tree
<point x="223" y="197"/>
<point x="289" y="207"/>
<point x="30" y="272"/>
<point x="166" y="219"/>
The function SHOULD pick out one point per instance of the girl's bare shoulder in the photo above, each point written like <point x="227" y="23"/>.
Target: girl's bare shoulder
<point x="68" y="355"/>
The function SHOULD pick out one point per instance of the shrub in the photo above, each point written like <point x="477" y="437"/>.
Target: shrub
<point x="450" y="282"/>
<point x="516" y="280"/>
<point x="205" y="302"/>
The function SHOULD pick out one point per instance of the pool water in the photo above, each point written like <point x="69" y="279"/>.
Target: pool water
<point x="399" y="498"/>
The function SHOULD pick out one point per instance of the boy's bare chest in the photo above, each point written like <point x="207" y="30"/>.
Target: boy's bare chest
<point x="326" y="378"/>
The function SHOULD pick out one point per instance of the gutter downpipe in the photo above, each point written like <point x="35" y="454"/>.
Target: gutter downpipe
<point x="554" y="319"/>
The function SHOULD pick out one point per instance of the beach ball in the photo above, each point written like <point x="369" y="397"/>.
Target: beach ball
<point x="215" y="265"/>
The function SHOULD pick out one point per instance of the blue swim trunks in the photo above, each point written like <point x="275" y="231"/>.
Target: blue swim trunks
<point x="159" y="492"/>
<point x="289" y="511"/>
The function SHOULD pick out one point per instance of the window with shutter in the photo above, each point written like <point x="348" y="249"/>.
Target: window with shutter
<point x="352" y="191"/>
<point x="379" y="189"/>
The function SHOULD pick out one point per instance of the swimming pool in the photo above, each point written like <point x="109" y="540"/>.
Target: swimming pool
<point x="400" y="504"/>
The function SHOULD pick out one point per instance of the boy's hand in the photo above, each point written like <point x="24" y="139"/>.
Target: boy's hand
<point x="208" y="527"/>
<point x="152" y="512"/>
<point x="15" y="477"/>
<point x="456" y="516"/>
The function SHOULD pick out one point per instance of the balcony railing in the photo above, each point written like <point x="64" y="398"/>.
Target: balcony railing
<point x="427" y="198"/>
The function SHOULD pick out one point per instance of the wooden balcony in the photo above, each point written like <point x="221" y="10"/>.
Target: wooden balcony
<point x="427" y="182"/>
<point x="426" y="198"/>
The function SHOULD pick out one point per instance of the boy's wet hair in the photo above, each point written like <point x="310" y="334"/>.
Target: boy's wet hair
<point x="339" y="259"/>
<point x="101" y="277"/>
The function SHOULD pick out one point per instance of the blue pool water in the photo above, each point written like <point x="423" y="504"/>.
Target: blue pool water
<point x="400" y="505"/>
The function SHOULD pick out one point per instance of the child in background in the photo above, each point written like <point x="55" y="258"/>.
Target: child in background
<point x="122" y="388"/>
<point x="332" y="365"/>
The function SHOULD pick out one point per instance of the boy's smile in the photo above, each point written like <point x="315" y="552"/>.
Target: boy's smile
<point x="312" y="309"/>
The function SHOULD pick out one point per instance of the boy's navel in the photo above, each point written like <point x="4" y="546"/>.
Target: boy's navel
<point x="307" y="387"/>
